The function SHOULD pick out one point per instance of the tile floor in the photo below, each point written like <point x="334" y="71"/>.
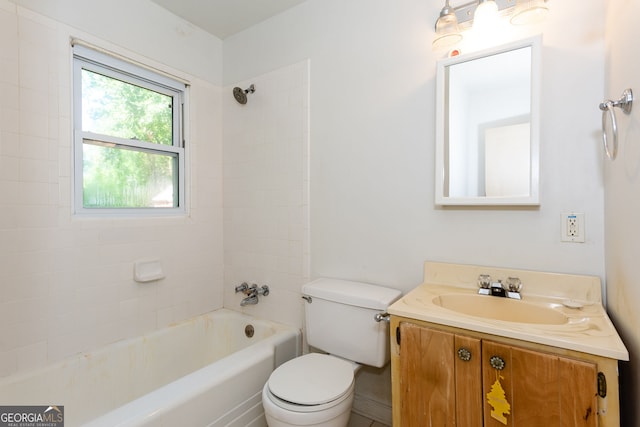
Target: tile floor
<point x="360" y="421"/>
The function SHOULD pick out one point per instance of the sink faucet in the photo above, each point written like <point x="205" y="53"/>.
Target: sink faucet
<point x="510" y="290"/>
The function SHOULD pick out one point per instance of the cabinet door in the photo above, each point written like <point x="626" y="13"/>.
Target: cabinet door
<point x="468" y="382"/>
<point x="541" y="389"/>
<point x="437" y="387"/>
<point x="427" y="380"/>
<point x="578" y="393"/>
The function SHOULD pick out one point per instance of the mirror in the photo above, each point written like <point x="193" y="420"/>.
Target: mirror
<point x="487" y="126"/>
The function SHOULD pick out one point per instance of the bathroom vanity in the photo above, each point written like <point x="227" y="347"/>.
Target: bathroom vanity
<point x="461" y="358"/>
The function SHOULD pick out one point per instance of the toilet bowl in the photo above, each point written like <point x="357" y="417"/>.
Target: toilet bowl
<point x="311" y="390"/>
<point x="343" y="319"/>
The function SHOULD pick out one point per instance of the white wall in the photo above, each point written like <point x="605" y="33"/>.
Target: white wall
<point x="143" y="27"/>
<point x="372" y="113"/>
<point x="66" y="284"/>
<point x="372" y="140"/>
<point x="622" y="199"/>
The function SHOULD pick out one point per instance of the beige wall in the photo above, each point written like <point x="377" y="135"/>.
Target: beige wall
<point x="66" y="283"/>
<point x="622" y="199"/>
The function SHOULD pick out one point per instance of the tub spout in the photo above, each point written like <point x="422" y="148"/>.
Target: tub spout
<point x="250" y="300"/>
<point x="252" y="292"/>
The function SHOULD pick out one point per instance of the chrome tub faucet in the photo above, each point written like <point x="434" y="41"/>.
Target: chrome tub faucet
<point x="251" y="292"/>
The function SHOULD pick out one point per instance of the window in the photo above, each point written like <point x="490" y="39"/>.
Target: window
<point x="129" y="154"/>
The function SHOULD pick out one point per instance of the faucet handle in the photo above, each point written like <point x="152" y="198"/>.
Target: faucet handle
<point x="484" y="281"/>
<point x="514" y="284"/>
<point x="242" y="287"/>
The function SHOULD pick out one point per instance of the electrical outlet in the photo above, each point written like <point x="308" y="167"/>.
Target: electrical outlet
<point x="572" y="227"/>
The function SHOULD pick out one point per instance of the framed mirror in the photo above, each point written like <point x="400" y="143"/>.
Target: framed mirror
<point x="488" y="126"/>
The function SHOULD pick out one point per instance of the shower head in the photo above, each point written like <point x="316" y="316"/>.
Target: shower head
<point x="241" y="94"/>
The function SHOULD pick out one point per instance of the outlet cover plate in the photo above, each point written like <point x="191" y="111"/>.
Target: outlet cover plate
<point x="572" y="227"/>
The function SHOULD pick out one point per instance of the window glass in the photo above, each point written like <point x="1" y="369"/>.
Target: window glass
<point x="128" y="147"/>
<point x="119" y="177"/>
<point x="113" y="107"/>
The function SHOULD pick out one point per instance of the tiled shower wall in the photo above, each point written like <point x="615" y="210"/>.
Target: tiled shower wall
<point x="66" y="283"/>
<point x="266" y="196"/>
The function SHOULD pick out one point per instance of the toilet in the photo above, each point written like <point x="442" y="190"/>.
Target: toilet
<point x="317" y="389"/>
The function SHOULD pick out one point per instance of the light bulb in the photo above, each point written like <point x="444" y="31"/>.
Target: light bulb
<point x="447" y="31"/>
<point x="529" y="12"/>
<point x="486" y="14"/>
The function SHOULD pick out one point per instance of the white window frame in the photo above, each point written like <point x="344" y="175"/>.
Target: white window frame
<point x="93" y="60"/>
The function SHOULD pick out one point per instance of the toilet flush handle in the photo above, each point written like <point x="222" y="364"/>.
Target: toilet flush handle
<point x="382" y="317"/>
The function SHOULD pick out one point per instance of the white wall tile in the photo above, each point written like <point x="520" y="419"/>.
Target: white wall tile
<point x="66" y="283"/>
<point x="9" y="123"/>
<point x="8" y="362"/>
<point x="32" y="356"/>
<point x="9" y="168"/>
<point x="265" y="173"/>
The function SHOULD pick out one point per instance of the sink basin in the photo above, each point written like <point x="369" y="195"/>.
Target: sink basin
<point x="497" y="308"/>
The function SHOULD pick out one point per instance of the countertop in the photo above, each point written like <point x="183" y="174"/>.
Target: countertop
<point x="588" y="328"/>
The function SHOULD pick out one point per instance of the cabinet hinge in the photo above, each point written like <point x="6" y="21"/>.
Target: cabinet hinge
<point x="602" y="385"/>
<point x="398" y="335"/>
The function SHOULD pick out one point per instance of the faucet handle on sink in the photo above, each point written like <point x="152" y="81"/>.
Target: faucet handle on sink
<point x="484" y="281"/>
<point x="514" y="284"/>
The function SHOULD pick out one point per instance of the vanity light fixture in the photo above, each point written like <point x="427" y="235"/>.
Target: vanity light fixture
<point x="529" y="12"/>
<point x="447" y="31"/>
<point x="453" y="20"/>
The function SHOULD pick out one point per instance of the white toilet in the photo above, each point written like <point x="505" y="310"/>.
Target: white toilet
<point x="317" y="389"/>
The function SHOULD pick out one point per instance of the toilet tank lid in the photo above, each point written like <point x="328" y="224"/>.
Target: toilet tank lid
<point x="352" y="293"/>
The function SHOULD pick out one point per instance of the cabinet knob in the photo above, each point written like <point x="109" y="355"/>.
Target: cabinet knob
<point x="497" y="362"/>
<point x="464" y="354"/>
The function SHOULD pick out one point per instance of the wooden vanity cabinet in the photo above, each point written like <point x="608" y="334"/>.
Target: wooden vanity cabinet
<point x="432" y="383"/>
<point x="441" y="377"/>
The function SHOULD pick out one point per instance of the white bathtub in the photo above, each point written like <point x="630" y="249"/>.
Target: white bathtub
<point x="201" y="372"/>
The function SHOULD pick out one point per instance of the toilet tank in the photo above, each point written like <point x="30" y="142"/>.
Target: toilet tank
<point x="340" y="319"/>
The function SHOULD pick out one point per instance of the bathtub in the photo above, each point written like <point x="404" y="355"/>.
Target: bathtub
<point x="201" y="372"/>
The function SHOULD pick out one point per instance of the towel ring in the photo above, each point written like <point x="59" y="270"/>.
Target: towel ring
<point x="625" y="103"/>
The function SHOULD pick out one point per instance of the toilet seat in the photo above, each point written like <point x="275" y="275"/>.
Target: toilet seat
<point x="319" y="410"/>
<point x="311" y="382"/>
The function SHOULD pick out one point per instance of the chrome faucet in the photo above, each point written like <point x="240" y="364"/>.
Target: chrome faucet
<point x="252" y="293"/>
<point x="252" y="299"/>
<point x="242" y="288"/>
<point x="510" y="290"/>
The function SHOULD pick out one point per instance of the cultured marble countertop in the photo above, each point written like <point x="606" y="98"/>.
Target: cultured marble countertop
<point x="588" y="329"/>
